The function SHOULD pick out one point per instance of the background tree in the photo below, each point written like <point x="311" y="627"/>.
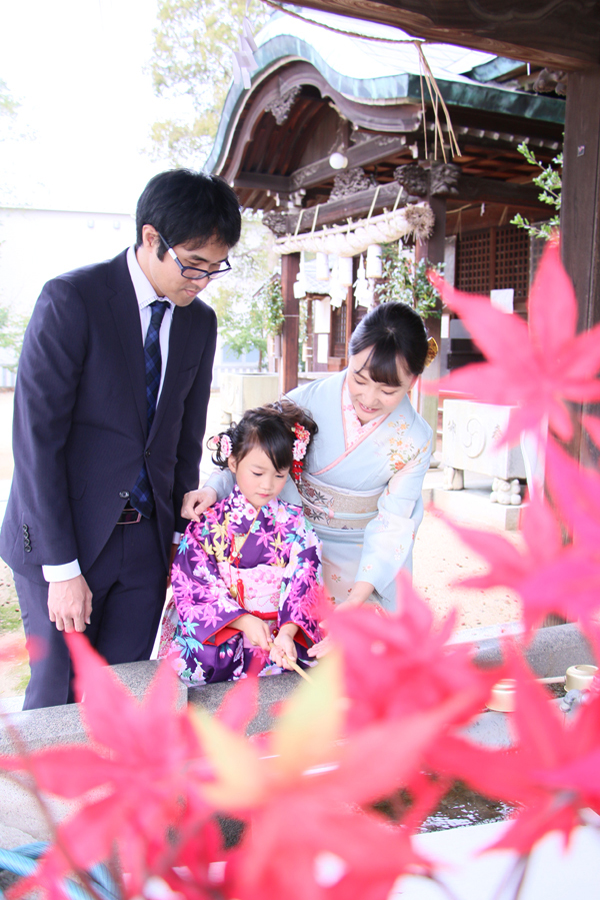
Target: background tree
<point x="192" y="57"/>
<point x="549" y="181"/>
<point x="407" y="282"/>
<point x="248" y="303"/>
<point x="8" y="104"/>
<point x="12" y="327"/>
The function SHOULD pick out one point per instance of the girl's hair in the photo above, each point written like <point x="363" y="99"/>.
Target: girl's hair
<point x="269" y="427"/>
<point x="394" y="331"/>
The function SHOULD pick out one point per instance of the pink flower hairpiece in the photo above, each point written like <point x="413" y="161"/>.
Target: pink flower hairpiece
<point x="225" y="446"/>
<point x="299" y="449"/>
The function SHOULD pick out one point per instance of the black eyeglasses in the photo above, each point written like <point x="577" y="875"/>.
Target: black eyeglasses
<point x="190" y="271"/>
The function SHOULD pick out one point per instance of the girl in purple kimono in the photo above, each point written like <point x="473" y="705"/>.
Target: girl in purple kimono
<point x="245" y="578"/>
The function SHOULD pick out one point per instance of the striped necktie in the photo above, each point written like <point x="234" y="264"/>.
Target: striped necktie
<point x="141" y="495"/>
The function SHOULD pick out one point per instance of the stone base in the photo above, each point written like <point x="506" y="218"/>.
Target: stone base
<point x="472" y="505"/>
<point x="272" y="689"/>
<point x="62" y="724"/>
<point x="551" y="652"/>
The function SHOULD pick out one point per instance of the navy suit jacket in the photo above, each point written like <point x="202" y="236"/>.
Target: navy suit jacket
<point x="80" y="432"/>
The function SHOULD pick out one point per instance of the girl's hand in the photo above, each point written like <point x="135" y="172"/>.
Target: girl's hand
<point x="255" y="630"/>
<point x="197" y="502"/>
<point x="283" y="646"/>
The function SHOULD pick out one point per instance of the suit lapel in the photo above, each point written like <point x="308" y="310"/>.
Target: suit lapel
<point x="126" y="313"/>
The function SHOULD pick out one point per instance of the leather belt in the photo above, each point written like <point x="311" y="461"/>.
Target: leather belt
<point x="129" y="516"/>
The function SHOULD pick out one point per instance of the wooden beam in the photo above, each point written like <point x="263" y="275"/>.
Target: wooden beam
<point x="364" y="154"/>
<point x="495" y="191"/>
<point x="290" y="266"/>
<point x="277" y="184"/>
<point x="562" y="34"/>
<point x="352" y="206"/>
<point x="433" y="250"/>
<point x="373" y="117"/>
<point x="580" y="211"/>
<point x="358" y="205"/>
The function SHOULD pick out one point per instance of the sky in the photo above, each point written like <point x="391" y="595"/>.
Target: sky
<point x="80" y="69"/>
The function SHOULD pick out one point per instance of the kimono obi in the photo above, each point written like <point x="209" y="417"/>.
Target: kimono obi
<point x="262" y="586"/>
<point x="333" y="507"/>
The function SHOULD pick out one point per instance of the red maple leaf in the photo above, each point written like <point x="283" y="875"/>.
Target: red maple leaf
<point x="549" y="576"/>
<point x="312" y="838"/>
<point x="575" y="490"/>
<point x="147" y="762"/>
<point x="397" y="664"/>
<point x="538" y="368"/>
<point x="543" y="773"/>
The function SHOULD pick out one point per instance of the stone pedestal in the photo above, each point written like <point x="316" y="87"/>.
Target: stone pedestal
<point x="471" y="441"/>
<point x="242" y="392"/>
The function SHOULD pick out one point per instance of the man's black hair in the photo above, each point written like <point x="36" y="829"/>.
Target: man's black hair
<point x="186" y="206"/>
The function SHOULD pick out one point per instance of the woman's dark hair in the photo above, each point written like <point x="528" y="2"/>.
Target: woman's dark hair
<point x="269" y="427"/>
<point x="394" y="331"/>
<point x="186" y="206"/>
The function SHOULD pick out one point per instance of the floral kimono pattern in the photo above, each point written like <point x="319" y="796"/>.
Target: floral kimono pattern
<point x="361" y="488"/>
<point x="279" y="567"/>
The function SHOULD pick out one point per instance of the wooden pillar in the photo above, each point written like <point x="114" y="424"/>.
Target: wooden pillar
<point x="433" y="250"/>
<point x="349" y="316"/>
<point x="580" y="211"/>
<point x="290" y="266"/>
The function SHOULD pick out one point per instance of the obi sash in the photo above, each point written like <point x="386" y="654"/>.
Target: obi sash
<point x="262" y="587"/>
<point x="333" y="507"/>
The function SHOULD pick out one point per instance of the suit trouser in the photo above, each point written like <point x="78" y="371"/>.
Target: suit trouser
<point x="128" y="584"/>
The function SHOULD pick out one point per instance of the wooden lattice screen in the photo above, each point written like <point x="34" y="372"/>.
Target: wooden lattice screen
<point x="494" y="259"/>
<point x="338" y="331"/>
<point x="473" y="262"/>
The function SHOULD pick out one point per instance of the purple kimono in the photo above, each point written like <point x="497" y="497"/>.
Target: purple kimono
<point x="280" y="569"/>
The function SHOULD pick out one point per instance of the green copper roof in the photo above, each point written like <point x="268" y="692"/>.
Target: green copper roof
<point x="391" y="72"/>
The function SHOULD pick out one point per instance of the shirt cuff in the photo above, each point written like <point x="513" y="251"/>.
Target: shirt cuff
<point x="61" y="573"/>
<point x="177" y="537"/>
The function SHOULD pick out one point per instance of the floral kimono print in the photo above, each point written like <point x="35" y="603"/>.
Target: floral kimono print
<point x="361" y="488"/>
<point x="274" y="575"/>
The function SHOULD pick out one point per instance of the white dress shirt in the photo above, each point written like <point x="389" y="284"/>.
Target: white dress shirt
<point x="145" y="295"/>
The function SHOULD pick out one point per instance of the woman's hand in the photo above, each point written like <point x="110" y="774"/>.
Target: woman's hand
<point x="283" y="646"/>
<point x="359" y="594"/>
<point x="196" y="502"/>
<point x="255" y="630"/>
<point x="321" y="649"/>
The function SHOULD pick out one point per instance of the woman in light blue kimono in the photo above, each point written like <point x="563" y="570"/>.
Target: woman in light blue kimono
<point x="363" y="476"/>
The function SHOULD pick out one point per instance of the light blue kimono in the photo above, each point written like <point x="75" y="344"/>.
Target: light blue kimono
<point x="365" y="504"/>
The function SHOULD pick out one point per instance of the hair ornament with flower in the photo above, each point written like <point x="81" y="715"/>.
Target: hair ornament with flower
<point x="299" y="450"/>
<point x="221" y="443"/>
<point x="432" y="351"/>
<point x="225" y="446"/>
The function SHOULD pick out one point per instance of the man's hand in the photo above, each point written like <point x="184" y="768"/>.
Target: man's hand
<point x="283" y="646"/>
<point x="196" y="502"/>
<point x="70" y="604"/>
<point x="255" y="630"/>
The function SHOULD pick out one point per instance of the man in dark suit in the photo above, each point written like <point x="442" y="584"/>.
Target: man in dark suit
<point x="110" y="411"/>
